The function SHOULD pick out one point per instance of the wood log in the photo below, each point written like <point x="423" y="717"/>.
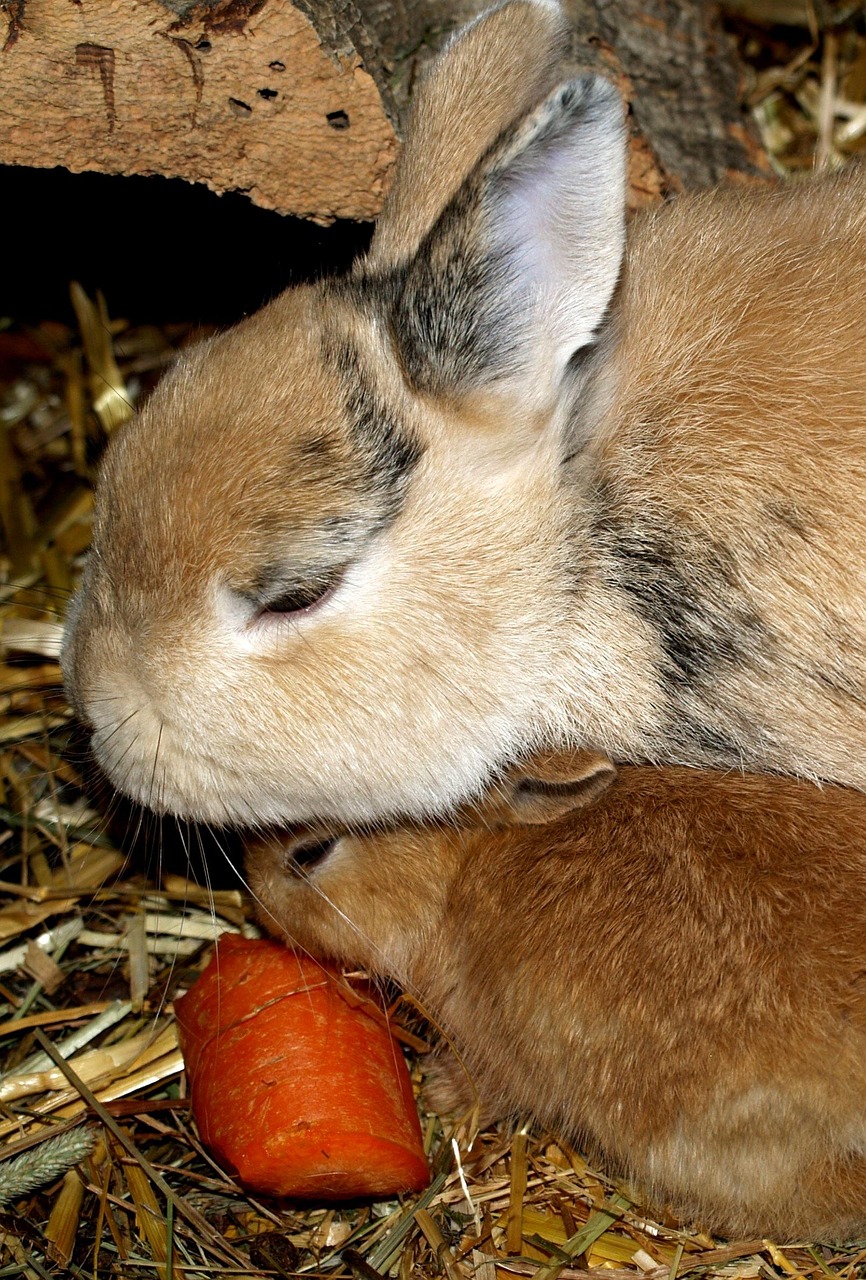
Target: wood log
<point x="296" y="102"/>
<point x="244" y="95"/>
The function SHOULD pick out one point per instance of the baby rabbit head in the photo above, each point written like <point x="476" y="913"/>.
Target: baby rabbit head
<point x="383" y="899"/>
<point x="339" y="526"/>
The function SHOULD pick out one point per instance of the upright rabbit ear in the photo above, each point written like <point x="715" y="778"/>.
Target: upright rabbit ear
<point x="489" y="75"/>
<point x="517" y="273"/>
<point x="546" y="787"/>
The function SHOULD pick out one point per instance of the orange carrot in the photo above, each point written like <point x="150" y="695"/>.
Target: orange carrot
<point x="297" y="1084"/>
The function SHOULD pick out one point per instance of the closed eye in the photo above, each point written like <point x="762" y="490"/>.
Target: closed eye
<point x="299" y="597"/>
<point x="304" y="856"/>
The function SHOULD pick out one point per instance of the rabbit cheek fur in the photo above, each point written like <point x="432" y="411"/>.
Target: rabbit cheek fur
<point x="674" y="976"/>
<point x="483" y="495"/>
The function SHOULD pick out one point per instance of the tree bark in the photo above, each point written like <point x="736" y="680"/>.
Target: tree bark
<point x="296" y="102"/>
<point x="679" y="72"/>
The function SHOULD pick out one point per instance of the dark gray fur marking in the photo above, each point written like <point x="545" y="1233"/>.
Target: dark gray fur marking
<point x="450" y="315"/>
<point x="316" y="447"/>
<point x="842" y="675"/>
<point x="684" y="585"/>
<point x="387" y="453"/>
<point x="361" y="490"/>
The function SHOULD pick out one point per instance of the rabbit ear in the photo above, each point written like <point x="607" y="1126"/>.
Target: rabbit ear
<point x="489" y="75"/>
<point x="518" y="272"/>
<point x="547" y="787"/>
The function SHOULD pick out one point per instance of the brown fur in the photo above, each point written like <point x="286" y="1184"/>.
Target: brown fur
<point x="654" y="549"/>
<point x="675" y="975"/>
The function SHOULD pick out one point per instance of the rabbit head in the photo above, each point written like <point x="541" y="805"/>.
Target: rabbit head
<point x="325" y="569"/>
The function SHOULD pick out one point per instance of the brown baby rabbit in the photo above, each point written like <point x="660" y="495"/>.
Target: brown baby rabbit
<point x="488" y="493"/>
<point x="675" y="975"/>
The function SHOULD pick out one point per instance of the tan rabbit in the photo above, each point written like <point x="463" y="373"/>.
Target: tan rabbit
<point x="675" y="975"/>
<point x="486" y="495"/>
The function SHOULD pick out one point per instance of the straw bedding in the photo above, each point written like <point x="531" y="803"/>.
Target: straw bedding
<point x="101" y="1169"/>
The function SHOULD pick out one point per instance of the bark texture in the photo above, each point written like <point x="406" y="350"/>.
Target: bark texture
<point x="246" y="95"/>
<point x="678" y="70"/>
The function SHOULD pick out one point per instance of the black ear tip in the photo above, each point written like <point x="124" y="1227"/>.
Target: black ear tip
<point x="591" y="95"/>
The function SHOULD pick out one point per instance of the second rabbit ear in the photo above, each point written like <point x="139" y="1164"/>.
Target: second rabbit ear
<point x="518" y="271"/>
<point x="543" y="789"/>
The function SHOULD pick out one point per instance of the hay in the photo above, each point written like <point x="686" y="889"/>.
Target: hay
<point x="101" y="1169"/>
<point x="805" y="83"/>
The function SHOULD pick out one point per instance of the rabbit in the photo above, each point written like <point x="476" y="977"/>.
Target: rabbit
<point x="516" y="482"/>
<point x="665" y="965"/>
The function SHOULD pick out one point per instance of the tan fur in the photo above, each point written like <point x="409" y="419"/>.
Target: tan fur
<point x="743" y="387"/>
<point x="674" y="975"/>
<point x="655" y="550"/>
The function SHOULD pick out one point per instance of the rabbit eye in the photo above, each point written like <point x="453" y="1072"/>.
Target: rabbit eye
<point x="305" y="856"/>
<point x="300" y="596"/>
<point x="298" y="599"/>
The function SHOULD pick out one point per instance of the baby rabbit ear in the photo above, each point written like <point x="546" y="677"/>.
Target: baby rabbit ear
<point x="545" y="788"/>
<point x="488" y="76"/>
<point x="517" y="274"/>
